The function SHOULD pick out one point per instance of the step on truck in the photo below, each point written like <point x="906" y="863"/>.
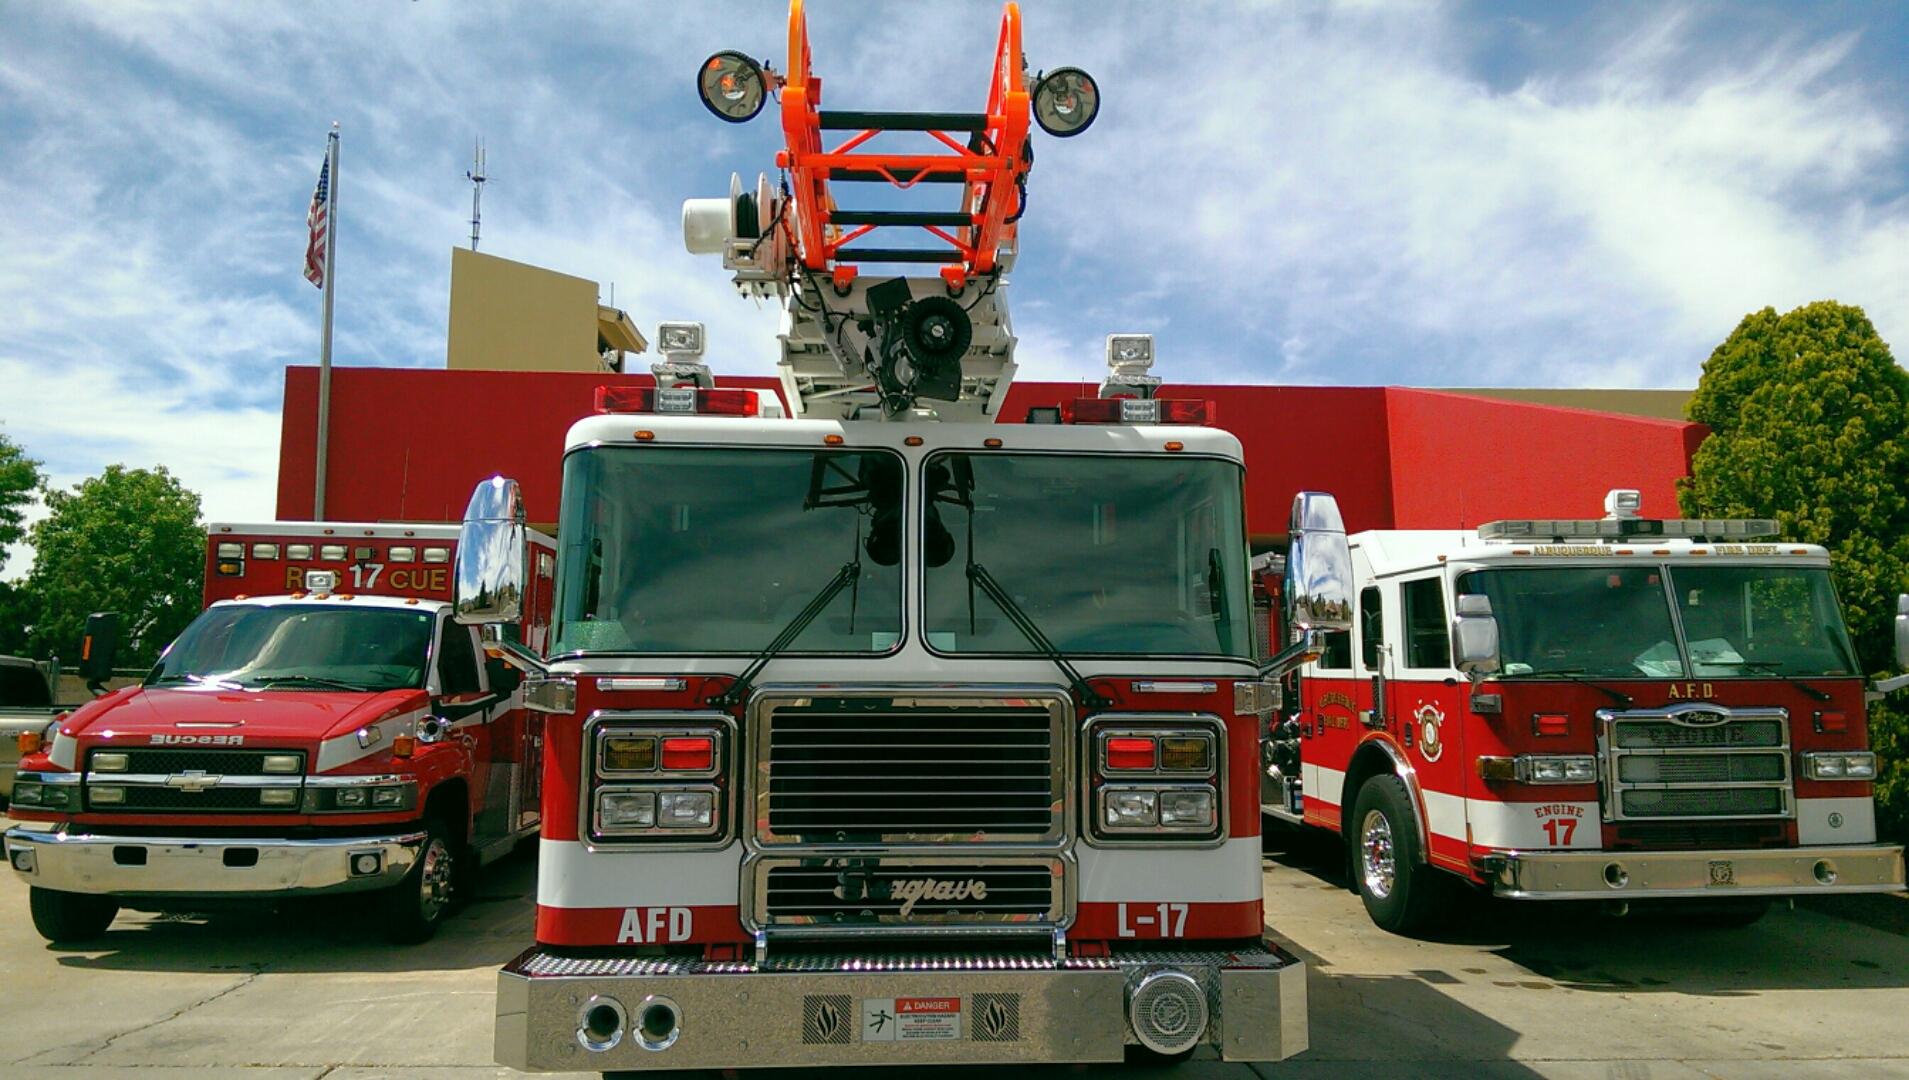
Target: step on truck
<point x="323" y="727"/>
<point x="889" y="732"/>
<point x="1624" y="709"/>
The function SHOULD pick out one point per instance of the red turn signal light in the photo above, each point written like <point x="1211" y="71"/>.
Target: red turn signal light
<point x="688" y="753"/>
<point x="1550" y="724"/>
<point x="1832" y="721"/>
<point x="1129" y="752"/>
<point x="685" y="400"/>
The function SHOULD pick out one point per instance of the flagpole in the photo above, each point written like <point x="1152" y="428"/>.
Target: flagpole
<point x="324" y="353"/>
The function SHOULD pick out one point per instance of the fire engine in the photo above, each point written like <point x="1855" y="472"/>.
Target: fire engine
<point x="324" y="726"/>
<point x="886" y="732"/>
<point x="1621" y="709"/>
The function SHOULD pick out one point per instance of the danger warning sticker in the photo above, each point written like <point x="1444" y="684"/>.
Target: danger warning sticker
<point x="910" y="1019"/>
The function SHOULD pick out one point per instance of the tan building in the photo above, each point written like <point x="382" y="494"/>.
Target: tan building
<point x="1657" y="404"/>
<point x="511" y="316"/>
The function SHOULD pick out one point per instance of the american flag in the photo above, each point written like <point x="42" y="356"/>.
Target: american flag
<point x="316" y="220"/>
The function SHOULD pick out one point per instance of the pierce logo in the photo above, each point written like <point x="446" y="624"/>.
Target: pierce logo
<point x="198" y="740"/>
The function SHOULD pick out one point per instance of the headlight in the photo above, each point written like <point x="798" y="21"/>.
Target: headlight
<point x="376" y="794"/>
<point x="686" y="809"/>
<point x="1187" y="809"/>
<point x="1840" y="765"/>
<point x="279" y="796"/>
<point x="1130" y="808"/>
<point x="625" y="811"/>
<point x="104" y="761"/>
<point x="51" y="796"/>
<point x="273" y="763"/>
<point x="1540" y="768"/>
<point x="106" y="796"/>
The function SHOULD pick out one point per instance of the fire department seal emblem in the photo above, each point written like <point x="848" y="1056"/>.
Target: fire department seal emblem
<point x="1430" y="742"/>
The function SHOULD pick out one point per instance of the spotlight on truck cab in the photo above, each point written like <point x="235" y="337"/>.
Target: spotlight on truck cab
<point x="1066" y="100"/>
<point x="732" y="86"/>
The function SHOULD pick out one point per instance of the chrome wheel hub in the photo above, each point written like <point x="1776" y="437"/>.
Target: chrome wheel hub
<point x="434" y="880"/>
<point x="1376" y="863"/>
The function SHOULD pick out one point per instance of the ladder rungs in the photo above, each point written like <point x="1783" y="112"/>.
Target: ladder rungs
<point x="902" y="176"/>
<point x="899" y="217"/>
<point x="896" y="255"/>
<point x="838" y="120"/>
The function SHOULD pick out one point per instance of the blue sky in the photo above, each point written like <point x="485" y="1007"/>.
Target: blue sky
<point x="1374" y="192"/>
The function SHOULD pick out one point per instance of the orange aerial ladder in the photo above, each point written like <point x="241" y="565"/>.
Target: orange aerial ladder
<point x="851" y="340"/>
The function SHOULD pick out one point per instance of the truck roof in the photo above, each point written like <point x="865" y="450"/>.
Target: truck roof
<point x="680" y="430"/>
<point x="340" y="529"/>
<point x="1399" y="551"/>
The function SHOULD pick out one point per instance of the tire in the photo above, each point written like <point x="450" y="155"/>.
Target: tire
<point x="1402" y="894"/>
<point x="415" y="907"/>
<point x="63" y="916"/>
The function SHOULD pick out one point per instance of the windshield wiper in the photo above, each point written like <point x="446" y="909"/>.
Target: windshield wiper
<point x="850" y="573"/>
<point x="1771" y="666"/>
<point x="1576" y="675"/>
<point x="978" y="575"/>
<point x="314" y="680"/>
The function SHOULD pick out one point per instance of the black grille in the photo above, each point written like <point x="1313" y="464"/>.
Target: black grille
<point x="847" y="892"/>
<point x="859" y="769"/>
<point x="1665" y="734"/>
<point x="189" y="758"/>
<point x="1702" y="802"/>
<point x="176" y="800"/>
<point x="1669" y="836"/>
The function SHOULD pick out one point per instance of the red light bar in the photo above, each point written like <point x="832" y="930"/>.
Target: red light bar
<point x="688" y="753"/>
<point x="1550" y="724"/>
<point x="685" y="400"/>
<point x="1832" y="721"/>
<point x="1128" y="752"/>
<point x="1125" y="410"/>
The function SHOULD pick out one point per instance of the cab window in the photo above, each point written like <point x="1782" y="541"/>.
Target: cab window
<point x="1428" y="640"/>
<point x="457" y="661"/>
<point x="1371" y="626"/>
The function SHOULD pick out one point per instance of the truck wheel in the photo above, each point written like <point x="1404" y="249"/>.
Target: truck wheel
<point x="1401" y="894"/>
<point x="65" y="916"/>
<point x="414" y="907"/>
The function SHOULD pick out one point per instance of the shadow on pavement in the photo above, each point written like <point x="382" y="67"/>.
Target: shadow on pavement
<point x="1681" y="948"/>
<point x="321" y="934"/>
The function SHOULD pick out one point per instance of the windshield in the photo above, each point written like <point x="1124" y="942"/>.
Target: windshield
<point x="1614" y="621"/>
<point x="1104" y="554"/>
<point x="302" y="646"/>
<point x="1756" y="620"/>
<point x="713" y="550"/>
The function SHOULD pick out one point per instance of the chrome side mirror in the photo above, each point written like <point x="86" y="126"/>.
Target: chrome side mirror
<point x="1318" y="566"/>
<point x="1902" y="631"/>
<point x="1474" y="635"/>
<point x="490" y="554"/>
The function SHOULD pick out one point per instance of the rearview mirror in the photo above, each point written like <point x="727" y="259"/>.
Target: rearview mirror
<point x="1474" y="635"/>
<point x="1318" y="566"/>
<point x="100" y="648"/>
<point x="490" y="554"/>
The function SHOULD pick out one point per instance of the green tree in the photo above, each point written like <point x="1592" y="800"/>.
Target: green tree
<point x="18" y="613"/>
<point x="127" y="540"/>
<point x="19" y="477"/>
<point x="1809" y="424"/>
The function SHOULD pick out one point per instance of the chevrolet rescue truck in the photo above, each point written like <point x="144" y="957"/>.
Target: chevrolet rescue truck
<point x="323" y="727"/>
<point x="1622" y="710"/>
<point x="886" y="733"/>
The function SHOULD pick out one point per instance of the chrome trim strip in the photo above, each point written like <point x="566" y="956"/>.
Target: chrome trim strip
<point x="212" y="780"/>
<point x="47" y="777"/>
<point x="377" y="780"/>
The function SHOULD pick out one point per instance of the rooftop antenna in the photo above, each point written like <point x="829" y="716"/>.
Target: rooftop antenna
<point x="476" y="177"/>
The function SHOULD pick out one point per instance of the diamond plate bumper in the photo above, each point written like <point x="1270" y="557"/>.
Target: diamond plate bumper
<point x="873" y="1009"/>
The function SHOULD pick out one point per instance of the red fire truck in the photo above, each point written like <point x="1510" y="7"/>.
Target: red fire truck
<point x="1621" y="709"/>
<point x="886" y="733"/>
<point x="323" y="727"/>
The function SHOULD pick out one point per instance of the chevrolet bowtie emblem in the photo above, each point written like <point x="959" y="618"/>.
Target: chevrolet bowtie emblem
<point x="193" y="780"/>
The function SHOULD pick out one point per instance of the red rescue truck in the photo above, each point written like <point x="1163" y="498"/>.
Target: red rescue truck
<point x="1621" y="709"/>
<point x="323" y="727"/>
<point x="888" y="733"/>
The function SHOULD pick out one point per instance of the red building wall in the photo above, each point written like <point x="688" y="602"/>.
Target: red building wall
<point x="408" y="444"/>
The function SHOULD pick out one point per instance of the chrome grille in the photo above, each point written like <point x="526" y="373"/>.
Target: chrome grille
<point x="1695" y="761"/>
<point x="879" y="768"/>
<point x="907" y="892"/>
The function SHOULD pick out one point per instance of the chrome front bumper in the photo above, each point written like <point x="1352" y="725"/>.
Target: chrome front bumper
<point x="809" y="1009"/>
<point x="182" y="866"/>
<point x="1713" y="875"/>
